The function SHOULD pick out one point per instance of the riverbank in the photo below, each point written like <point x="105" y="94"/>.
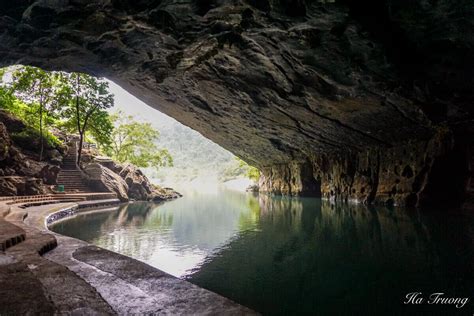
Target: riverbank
<point x="59" y="274"/>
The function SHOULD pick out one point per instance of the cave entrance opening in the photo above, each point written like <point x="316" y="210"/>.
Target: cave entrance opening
<point x="57" y="107"/>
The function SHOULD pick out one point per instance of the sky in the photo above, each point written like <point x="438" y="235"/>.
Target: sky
<point x="130" y="105"/>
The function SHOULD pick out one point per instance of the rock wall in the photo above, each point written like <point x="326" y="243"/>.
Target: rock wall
<point x="412" y="173"/>
<point x="290" y="179"/>
<point x="20" y="172"/>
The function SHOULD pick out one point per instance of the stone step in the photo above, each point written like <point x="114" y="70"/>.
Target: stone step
<point x="63" y="181"/>
<point x="70" y="181"/>
<point x="70" y="185"/>
<point x="72" y="176"/>
<point x="10" y="235"/>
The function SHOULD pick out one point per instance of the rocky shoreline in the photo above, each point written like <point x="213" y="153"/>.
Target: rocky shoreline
<point x="127" y="181"/>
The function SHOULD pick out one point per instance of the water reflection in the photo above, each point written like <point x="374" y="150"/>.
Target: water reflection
<point x="295" y="256"/>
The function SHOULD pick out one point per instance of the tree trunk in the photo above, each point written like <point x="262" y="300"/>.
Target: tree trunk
<point x="78" y="121"/>
<point x="41" y="132"/>
<point x="79" y="150"/>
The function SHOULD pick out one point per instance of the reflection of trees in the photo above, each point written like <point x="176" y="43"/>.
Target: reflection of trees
<point x="295" y="256"/>
<point x="250" y="215"/>
<point x="310" y="256"/>
<point x="119" y="226"/>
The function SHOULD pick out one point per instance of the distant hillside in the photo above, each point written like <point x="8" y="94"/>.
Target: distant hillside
<point x="194" y="155"/>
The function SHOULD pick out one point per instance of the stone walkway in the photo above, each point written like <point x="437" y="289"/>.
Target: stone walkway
<point x="59" y="274"/>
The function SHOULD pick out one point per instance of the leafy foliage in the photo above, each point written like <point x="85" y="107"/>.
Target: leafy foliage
<point x="83" y="103"/>
<point x="135" y="142"/>
<point x="28" y="114"/>
<point x="38" y="90"/>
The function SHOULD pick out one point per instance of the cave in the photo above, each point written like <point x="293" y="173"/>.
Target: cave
<point x="326" y="98"/>
<point x="358" y="115"/>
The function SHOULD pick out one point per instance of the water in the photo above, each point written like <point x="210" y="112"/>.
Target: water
<point x="296" y="256"/>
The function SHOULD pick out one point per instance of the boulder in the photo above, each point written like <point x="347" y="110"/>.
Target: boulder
<point x="14" y="185"/>
<point x="108" y="163"/>
<point x="29" y="167"/>
<point x="54" y="156"/>
<point x="7" y="187"/>
<point x="49" y="174"/>
<point x="34" y="186"/>
<point x="103" y="179"/>
<point x="139" y="186"/>
<point x="163" y="194"/>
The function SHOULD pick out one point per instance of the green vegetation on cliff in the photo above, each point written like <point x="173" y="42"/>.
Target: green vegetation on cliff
<point x="75" y="103"/>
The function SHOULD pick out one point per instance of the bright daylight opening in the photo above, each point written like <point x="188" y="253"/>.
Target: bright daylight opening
<point x="198" y="163"/>
<point x="121" y="128"/>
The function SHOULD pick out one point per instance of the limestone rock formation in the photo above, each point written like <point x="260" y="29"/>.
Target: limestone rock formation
<point x="15" y="185"/>
<point x="298" y="88"/>
<point x="103" y="179"/>
<point x="140" y="188"/>
<point x="20" y="172"/>
<point x="49" y="174"/>
<point x="127" y="181"/>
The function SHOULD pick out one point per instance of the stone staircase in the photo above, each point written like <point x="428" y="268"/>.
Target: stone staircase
<point x="10" y="235"/>
<point x="70" y="175"/>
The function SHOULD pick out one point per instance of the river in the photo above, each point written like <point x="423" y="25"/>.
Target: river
<point x="295" y="255"/>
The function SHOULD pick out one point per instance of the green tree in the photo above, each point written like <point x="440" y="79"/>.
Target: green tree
<point x="135" y="142"/>
<point x="38" y="89"/>
<point x="84" y="100"/>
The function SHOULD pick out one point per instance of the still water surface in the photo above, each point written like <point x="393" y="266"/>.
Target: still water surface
<point x="296" y="255"/>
